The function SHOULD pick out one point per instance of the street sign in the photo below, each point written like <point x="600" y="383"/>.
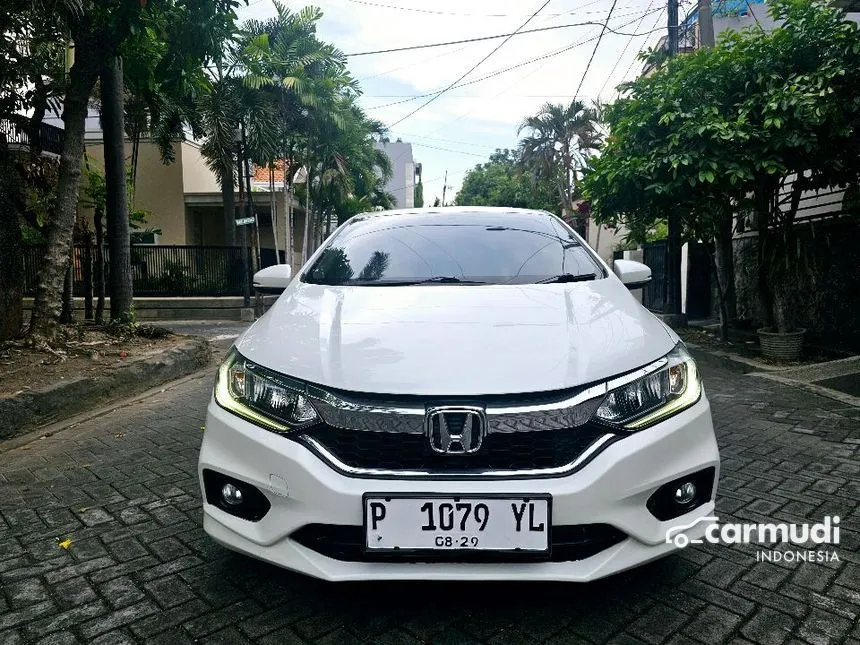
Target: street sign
<point x="244" y="221"/>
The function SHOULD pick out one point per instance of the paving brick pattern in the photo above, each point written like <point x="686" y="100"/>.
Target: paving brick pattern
<point x="140" y="569"/>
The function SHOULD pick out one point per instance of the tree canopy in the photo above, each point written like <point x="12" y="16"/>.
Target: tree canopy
<point x="752" y="122"/>
<point x="559" y="142"/>
<point x="502" y="181"/>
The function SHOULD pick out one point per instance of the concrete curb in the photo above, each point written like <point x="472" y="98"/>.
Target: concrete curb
<point x="27" y="410"/>
<point x="739" y="360"/>
<point x="836" y="395"/>
<point x="800" y="376"/>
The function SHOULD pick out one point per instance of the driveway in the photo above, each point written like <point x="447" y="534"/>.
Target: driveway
<point x="123" y="488"/>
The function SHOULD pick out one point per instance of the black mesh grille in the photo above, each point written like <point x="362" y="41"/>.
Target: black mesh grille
<point x="500" y="451"/>
<point x="568" y="543"/>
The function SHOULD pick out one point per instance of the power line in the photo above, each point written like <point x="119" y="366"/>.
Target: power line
<point x="504" y="70"/>
<point x="588" y="23"/>
<point x="462" y="143"/>
<point x="526" y="75"/>
<point x="427" y="182"/>
<point x="473" y="68"/>
<point x="594" y="51"/>
<point x="470" y="15"/>
<point x="434" y="57"/>
<point x="473" y="96"/>
<point x="636" y="57"/>
<point x="462" y="152"/>
<point x="623" y="51"/>
<point x="755" y="17"/>
<point x="504" y="90"/>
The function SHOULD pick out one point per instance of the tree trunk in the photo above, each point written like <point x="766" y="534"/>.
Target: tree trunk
<point x="305" y="239"/>
<point x="312" y="230"/>
<point x="673" y="266"/>
<point x="87" y="276"/>
<point x="67" y="311"/>
<point x="725" y="267"/>
<point x="11" y="253"/>
<point x="288" y="233"/>
<point x="135" y="155"/>
<point x="46" y="307"/>
<point x="98" y="216"/>
<point x="721" y="296"/>
<point x="228" y="199"/>
<point x="121" y="295"/>
<point x="765" y="296"/>
<point x="40" y="105"/>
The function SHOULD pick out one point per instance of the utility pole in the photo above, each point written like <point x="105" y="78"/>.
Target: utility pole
<point x="706" y="24"/>
<point x="673" y="27"/>
<point x="444" y="187"/>
<point x="672" y="307"/>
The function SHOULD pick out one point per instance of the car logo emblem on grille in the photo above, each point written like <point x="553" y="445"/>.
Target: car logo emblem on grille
<point x="455" y="430"/>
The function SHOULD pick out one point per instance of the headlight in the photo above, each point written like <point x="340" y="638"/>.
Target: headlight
<point x="671" y="385"/>
<point x="262" y="396"/>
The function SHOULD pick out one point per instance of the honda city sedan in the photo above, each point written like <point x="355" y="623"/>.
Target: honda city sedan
<point x="457" y="394"/>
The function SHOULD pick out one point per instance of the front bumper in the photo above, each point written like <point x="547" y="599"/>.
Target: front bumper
<point x="303" y="490"/>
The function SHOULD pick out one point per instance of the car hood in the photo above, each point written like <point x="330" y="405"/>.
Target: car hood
<point x="440" y="340"/>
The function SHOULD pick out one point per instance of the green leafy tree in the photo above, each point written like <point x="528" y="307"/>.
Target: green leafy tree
<point x="750" y="124"/>
<point x="419" y="195"/>
<point x="502" y="181"/>
<point x="99" y="29"/>
<point x="559" y="142"/>
<point x="31" y="51"/>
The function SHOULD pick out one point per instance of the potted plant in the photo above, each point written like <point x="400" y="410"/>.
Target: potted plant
<point x="783" y="257"/>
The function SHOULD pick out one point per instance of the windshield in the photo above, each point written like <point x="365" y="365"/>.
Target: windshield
<point x="456" y="249"/>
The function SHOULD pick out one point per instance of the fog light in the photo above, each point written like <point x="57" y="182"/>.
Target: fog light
<point x="685" y="493"/>
<point x="232" y="494"/>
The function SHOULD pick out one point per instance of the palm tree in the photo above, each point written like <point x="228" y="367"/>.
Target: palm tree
<point x="559" y="141"/>
<point x="296" y="100"/>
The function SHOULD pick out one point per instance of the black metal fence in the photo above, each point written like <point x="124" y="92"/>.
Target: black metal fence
<point x="50" y="136"/>
<point x="157" y="271"/>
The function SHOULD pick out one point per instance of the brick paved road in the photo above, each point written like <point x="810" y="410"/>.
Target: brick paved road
<point x="123" y="487"/>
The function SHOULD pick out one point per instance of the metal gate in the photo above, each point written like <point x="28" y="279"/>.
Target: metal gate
<point x="655" y="256"/>
<point x="698" y="281"/>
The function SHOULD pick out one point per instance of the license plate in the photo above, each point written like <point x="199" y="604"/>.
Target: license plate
<point x="504" y="523"/>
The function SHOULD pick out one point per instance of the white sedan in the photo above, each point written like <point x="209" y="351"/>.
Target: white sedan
<point x="457" y="394"/>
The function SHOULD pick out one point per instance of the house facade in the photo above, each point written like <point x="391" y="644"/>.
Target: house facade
<point x="403" y="172"/>
<point x="183" y="199"/>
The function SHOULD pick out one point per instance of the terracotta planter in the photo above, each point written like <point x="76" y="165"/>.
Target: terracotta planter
<point x="784" y="347"/>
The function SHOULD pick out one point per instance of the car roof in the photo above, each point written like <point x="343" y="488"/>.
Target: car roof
<point x="523" y="218"/>
<point x="450" y="210"/>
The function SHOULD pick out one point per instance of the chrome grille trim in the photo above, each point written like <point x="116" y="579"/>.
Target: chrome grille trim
<point x="379" y="473"/>
<point x="370" y="418"/>
<point x="569" y="412"/>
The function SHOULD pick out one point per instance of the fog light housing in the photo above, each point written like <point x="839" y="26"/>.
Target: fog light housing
<point x="685" y="493"/>
<point x="235" y="497"/>
<point x="682" y="495"/>
<point x="232" y="494"/>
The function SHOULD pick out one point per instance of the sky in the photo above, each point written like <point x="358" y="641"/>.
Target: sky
<point x="464" y="125"/>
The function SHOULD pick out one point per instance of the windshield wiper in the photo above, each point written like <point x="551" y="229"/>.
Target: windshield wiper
<point x="441" y="279"/>
<point x="569" y="277"/>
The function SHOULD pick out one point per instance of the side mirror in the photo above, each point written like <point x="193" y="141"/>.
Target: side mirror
<point x="634" y="275"/>
<point x="273" y="279"/>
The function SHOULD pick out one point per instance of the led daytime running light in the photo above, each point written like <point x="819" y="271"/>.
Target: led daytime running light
<point x="672" y="384"/>
<point x="250" y="392"/>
